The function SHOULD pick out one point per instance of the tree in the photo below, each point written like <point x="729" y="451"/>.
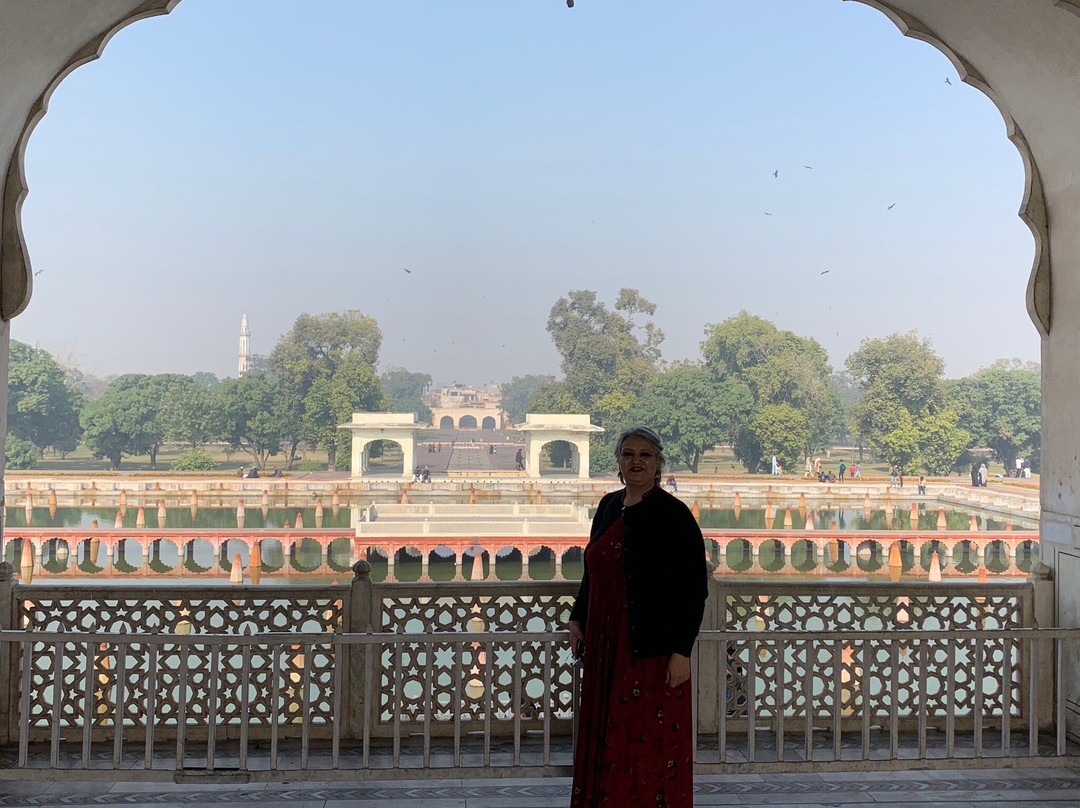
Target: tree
<point x="781" y="430"/>
<point x="252" y="421"/>
<point x="607" y="356"/>
<point x="941" y="441"/>
<point x="897" y="374"/>
<point x="123" y="422"/>
<point x="42" y="408"/>
<point x="780" y="368"/>
<point x="307" y="358"/>
<point x="19" y="453"/>
<point x="901" y="366"/>
<point x="332" y="400"/>
<point x="518" y="392"/>
<point x="205" y="378"/>
<point x="406" y="390"/>
<point x="188" y="415"/>
<point x="1001" y="406"/>
<point x="691" y="412"/>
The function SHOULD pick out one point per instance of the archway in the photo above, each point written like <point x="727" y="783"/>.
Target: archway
<point x="467" y="422"/>
<point x="487" y="423"/>
<point x="385" y="458"/>
<point x="446" y="422"/>
<point x="558" y="457"/>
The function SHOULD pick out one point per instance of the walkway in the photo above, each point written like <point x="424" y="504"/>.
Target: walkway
<point x="989" y="788"/>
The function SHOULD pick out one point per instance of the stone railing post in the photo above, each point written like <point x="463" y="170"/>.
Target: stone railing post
<point x="711" y="670"/>
<point x="361" y="614"/>
<point x="1042" y="584"/>
<point x="9" y="658"/>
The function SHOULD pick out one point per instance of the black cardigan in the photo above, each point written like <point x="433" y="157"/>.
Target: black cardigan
<point x="666" y="575"/>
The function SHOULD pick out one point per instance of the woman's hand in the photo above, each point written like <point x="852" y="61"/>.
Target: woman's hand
<point x="577" y="639"/>
<point x="678" y="670"/>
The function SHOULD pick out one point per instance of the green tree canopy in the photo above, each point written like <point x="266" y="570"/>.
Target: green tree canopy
<point x="251" y="416"/>
<point x="691" y="412"/>
<point x="608" y="355"/>
<point x="518" y="392"/>
<point x="124" y="421"/>
<point x="781" y="430"/>
<point x="188" y="413"/>
<point x="780" y="368"/>
<point x="42" y="408"/>
<point x="1001" y="406"/>
<point x="898" y="373"/>
<point x="312" y="364"/>
<point x="405" y="392"/>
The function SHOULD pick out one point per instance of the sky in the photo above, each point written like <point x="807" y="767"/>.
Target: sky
<point x="253" y="156"/>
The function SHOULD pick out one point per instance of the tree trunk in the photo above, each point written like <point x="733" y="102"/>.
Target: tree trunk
<point x="153" y="456"/>
<point x="331" y="457"/>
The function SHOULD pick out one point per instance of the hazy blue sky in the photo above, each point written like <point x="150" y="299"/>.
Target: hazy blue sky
<point x="254" y="155"/>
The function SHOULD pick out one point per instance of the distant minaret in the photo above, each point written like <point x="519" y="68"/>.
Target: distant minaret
<point x="245" y="346"/>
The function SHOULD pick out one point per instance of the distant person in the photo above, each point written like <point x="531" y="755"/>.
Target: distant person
<point x="974" y="475"/>
<point x="922" y="484"/>
<point x="817" y="466"/>
<point x="775" y="467"/>
<point x="491" y="448"/>
<point x="253" y="472"/>
<point x="858" y="470"/>
<point x="809" y="469"/>
<point x="240" y="472"/>
<point x="892" y="475"/>
<point x="982" y="474"/>
<point x="1027" y="469"/>
<point x="842" y="468"/>
<point x="674" y="486"/>
<point x="900" y="475"/>
<point x="519" y="461"/>
<point x="277" y="473"/>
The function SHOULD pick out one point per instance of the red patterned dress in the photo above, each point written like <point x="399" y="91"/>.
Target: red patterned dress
<point x="634" y="743"/>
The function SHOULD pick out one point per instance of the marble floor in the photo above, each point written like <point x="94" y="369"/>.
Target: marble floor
<point x="985" y="788"/>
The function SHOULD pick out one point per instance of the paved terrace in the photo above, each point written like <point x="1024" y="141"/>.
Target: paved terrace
<point x="983" y="788"/>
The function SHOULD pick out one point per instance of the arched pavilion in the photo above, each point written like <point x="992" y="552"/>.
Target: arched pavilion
<point x="542" y="428"/>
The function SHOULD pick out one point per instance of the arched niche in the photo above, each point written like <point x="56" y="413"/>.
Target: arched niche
<point x="467" y="422"/>
<point x="488" y="423"/>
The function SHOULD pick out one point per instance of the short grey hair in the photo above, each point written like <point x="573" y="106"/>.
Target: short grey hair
<point x="648" y="435"/>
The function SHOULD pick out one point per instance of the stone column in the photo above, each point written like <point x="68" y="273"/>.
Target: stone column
<point x="583" y="457"/>
<point x="1042" y="584"/>
<point x="9" y="658"/>
<point x="532" y="455"/>
<point x="408" y="454"/>
<point x="363" y="615"/>
<point x="711" y="669"/>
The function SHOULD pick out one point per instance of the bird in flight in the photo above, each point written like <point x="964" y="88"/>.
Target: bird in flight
<point x="38" y="272"/>
<point x="776" y="173"/>
<point x="824" y="272"/>
<point x="767" y="213"/>
<point x="408" y="270"/>
<point x="947" y="81"/>
<point x="893" y="205"/>
<point x="810" y="167"/>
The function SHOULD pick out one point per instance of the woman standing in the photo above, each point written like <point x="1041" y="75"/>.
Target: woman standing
<point x="634" y="623"/>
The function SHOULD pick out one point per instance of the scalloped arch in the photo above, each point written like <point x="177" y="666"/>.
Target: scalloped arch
<point x="16" y="278"/>
<point x="1033" y="204"/>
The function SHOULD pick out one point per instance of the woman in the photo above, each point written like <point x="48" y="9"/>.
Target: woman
<point x="634" y="623"/>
